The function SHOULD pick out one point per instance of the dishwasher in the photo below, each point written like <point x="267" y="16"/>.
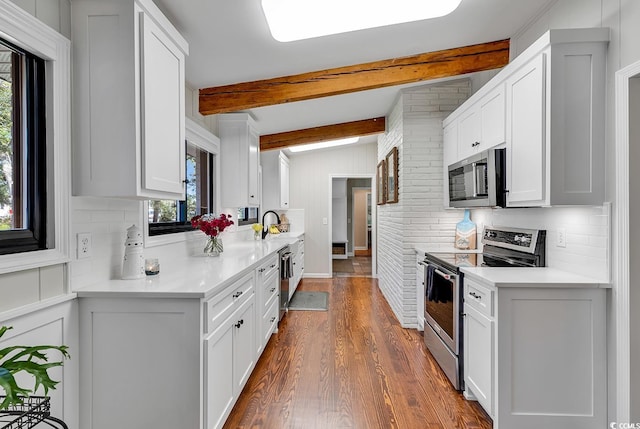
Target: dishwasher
<point x="286" y="272"/>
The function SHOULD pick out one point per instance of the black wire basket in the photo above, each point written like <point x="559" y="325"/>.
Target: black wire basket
<point x="33" y="410"/>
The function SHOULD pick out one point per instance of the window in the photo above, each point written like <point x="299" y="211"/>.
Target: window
<point x="170" y="216"/>
<point x="23" y="145"/>
<point x="247" y="215"/>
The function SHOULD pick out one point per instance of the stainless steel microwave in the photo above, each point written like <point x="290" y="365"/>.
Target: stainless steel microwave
<point x="478" y="181"/>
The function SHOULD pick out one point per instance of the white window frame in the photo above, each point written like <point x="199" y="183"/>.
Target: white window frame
<point x="203" y="139"/>
<point x="30" y="34"/>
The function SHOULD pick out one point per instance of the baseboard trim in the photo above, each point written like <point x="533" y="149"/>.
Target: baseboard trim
<point x="317" y="276"/>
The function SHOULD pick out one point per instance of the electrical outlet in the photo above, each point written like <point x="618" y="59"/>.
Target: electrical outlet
<point x="84" y="245"/>
<point x="561" y="239"/>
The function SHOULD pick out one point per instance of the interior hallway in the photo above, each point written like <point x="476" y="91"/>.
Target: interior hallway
<point x="354" y="266"/>
<point x="352" y="366"/>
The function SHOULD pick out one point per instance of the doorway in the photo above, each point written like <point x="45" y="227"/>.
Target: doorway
<point x="352" y="227"/>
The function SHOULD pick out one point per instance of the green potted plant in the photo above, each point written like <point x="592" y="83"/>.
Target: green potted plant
<point x="30" y="359"/>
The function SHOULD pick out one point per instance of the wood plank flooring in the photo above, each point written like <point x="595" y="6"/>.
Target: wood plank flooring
<point x="353" y="366"/>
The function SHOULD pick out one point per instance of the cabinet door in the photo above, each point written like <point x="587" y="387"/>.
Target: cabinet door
<point x="492" y="119"/>
<point x="244" y="343"/>
<point x="270" y="321"/>
<point x="469" y="134"/>
<point x="218" y="374"/>
<point x="526" y="167"/>
<point x="162" y="132"/>
<point x="478" y="357"/>
<point x="254" y="154"/>
<point x="284" y="183"/>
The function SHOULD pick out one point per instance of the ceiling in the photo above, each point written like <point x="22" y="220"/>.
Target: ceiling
<point x="229" y="42"/>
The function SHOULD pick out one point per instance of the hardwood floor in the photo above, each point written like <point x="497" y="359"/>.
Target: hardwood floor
<point x="354" y="266"/>
<point x="352" y="366"/>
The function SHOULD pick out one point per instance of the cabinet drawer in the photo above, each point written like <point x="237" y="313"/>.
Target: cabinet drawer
<point x="223" y="304"/>
<point x="271" y="288"/>
<point x="478" y="297"/>
<point x="269" y="267"/>
<point x="270" y="321"/>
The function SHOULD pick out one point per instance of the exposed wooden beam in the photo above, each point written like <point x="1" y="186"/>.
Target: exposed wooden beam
<point x="360" y="77"/>
<point x="364" y="127"/>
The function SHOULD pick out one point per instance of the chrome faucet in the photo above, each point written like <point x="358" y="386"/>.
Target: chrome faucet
<point x="264" y="231"/>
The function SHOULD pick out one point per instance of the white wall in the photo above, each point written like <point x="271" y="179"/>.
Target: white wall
<point x="415" y="127"/>
<point x="55" y="13"/>
<point x="587" y="234"/>
<point x="310" y="190"/>
<point x="24" y="287"/>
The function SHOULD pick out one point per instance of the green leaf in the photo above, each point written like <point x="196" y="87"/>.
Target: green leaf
<point x="13" y="393"/>
<point x="30" y="359"/>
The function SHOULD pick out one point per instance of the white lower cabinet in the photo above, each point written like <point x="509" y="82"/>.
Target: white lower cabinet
<point x="297" y="254"/>
<point x="267" y="291"/>
<point x="166" y="363"/>
<point x="219" y="396"/>
<point x="479" y="344"/>
<point x="478" y="358"/>
<point x="229" y="359"/>
<point x="535" y="356"/>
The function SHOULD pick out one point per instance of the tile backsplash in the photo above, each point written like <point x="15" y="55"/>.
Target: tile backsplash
<point x="587" y="234"/>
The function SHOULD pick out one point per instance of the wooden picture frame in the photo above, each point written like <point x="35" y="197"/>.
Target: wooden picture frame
<point x="391" y="182"/>
<point x="381" y="180"/>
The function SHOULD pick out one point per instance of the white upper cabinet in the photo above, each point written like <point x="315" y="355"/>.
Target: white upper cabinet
<point x="547" y="107"/>
<point x="240" y="152"/>
<point x="525" y="152"/>
<point x="481" y="125"/>
<point x="555" y="120"/>
<point x="275" y="180"/>
<point x="129" y="126"/>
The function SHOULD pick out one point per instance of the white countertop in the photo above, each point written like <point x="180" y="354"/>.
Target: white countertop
<point x="201" y="277"/>
<point x="544" y="277"/>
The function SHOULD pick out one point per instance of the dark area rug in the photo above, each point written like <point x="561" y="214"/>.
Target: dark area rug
<point x="315" y="301"/>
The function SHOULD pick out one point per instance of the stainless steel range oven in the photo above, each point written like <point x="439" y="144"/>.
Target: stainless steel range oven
<point x="443" y="331"/>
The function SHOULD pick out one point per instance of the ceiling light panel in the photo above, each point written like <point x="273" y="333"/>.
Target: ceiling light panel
<point x="323" y="145"/>
<point x="291" y="20"/>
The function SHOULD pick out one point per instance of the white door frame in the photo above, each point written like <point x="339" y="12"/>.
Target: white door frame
<point x="353" y="215"/>
<point x="374" y="271"/>
<point x="621" y="257"/>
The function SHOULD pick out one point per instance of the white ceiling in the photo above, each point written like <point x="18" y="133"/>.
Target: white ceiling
<point x="229" y="42"/>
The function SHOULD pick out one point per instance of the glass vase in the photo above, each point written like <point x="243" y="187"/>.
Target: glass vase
<point x="213" y="246"/>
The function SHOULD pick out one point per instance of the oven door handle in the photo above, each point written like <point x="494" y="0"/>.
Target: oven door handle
<point x="444" y="275"/>
<point x="438" y="272"/>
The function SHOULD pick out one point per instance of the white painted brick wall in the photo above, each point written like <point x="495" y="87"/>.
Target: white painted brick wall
<point x="415" y="128"/>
